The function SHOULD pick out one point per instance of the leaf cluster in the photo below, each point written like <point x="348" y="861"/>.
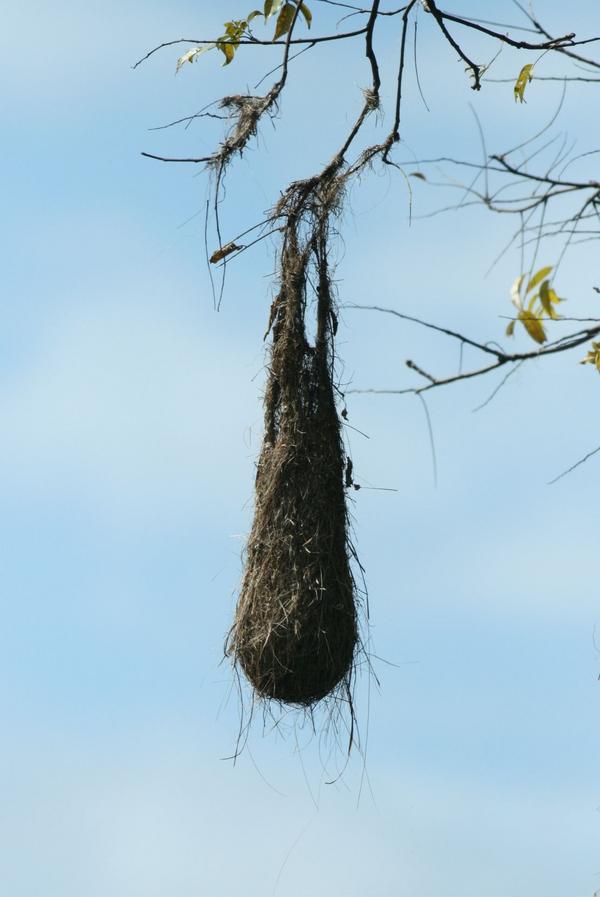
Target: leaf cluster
<point x="238" y="30"/>
<point x="533" y="309"/>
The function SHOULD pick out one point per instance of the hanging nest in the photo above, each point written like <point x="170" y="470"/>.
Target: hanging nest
<point x="295" y="633"/>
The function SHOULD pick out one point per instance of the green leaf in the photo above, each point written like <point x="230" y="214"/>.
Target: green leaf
<point x="284" y="21"/>
<point x="272" y="7"/>
<point x="252" y="15"/>
<point x="306" y="13"/>
<point x="525" y="75"/>
<point x="538" y="277"/>
<point x="510" y="330"/>
<point x="533" y="326"/>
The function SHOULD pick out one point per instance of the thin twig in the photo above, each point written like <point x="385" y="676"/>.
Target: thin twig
<point x="253" y="42"/>
<point x="574" y="466"/>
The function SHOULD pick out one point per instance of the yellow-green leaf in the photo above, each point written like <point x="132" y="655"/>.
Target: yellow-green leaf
<point x="525" y="75"/>
<point x="510" y="330"/>
<point x="593" y="356"/>
<point x="533" y="326"/>
<point x="235" y="30"/>
<point x="538" y="277"/>
<point x="252" y="15"/>
<point x="546" y="300"/>
<point x="228" y="51"/>
<point x="553" y="297"/>
<point x="284" y="21"/>
<point x="272" y="7"/>
<point x="306" y="13"/>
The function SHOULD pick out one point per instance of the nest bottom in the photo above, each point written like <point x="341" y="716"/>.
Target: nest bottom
<point x="295" y="631"/>
<point x="299" y="657"/>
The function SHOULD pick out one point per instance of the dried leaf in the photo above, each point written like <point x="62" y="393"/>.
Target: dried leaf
<point x="525" y="75"/>
<point x="223" y="252"/>
<point x="192" y="55"/>
<point x="418" y="174"/>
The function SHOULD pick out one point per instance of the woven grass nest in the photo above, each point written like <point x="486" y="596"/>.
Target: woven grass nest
<point x="295" y="632"/>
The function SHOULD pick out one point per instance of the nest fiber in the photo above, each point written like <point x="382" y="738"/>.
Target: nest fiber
<point x="295" y="629"/>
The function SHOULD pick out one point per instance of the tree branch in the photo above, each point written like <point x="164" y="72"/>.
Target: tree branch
<point x="254" y="42"/>
<point x="564" y="344"/>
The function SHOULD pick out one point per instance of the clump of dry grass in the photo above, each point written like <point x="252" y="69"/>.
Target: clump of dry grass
<point x="245" y="112"/>
<point x="295" y="633"/>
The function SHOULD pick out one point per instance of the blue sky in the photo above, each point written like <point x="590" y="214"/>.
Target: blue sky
<point x="131" y="420"/>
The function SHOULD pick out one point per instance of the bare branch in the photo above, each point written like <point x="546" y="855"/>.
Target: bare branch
<point x="254" y="42"/>
<point x="553" y="43"/>
<point x="545" y="33"/>
<point x="459" y="336"/>
<point x="439" y="17"/>
<point x="564" y="344"/>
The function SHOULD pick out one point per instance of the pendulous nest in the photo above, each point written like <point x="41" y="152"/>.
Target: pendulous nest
<point x="295" y="632"/>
